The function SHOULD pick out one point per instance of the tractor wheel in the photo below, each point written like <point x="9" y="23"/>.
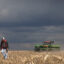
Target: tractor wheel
<point x="37" y="49"/>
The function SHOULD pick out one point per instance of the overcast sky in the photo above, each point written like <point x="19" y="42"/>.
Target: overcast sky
<point x="26" y="22"/>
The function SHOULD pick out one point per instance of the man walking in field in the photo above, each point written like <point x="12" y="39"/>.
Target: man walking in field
<point x="4" y="48"/>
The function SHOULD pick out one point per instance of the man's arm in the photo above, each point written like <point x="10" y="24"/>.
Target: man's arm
<point x="7" y="47"/>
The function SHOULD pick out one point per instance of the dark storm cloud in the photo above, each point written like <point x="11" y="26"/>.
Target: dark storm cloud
<point x="31" y="21"/>
<point x="22" y="36"/>
<point x="31" y="13"/>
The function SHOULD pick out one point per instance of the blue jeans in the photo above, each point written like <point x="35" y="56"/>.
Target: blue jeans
<point x="4" y="53"/>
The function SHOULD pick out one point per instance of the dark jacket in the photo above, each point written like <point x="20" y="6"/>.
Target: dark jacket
<point x="4" y="44"/>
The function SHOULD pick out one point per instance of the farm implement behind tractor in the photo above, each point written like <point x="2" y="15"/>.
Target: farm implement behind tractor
<point x="47" y="45"/>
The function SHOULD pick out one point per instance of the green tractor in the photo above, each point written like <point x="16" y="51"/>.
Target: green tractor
<point x="47" y="45"/>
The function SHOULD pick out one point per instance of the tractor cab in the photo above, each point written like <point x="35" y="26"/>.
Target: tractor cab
<point x="47" y="42"/>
